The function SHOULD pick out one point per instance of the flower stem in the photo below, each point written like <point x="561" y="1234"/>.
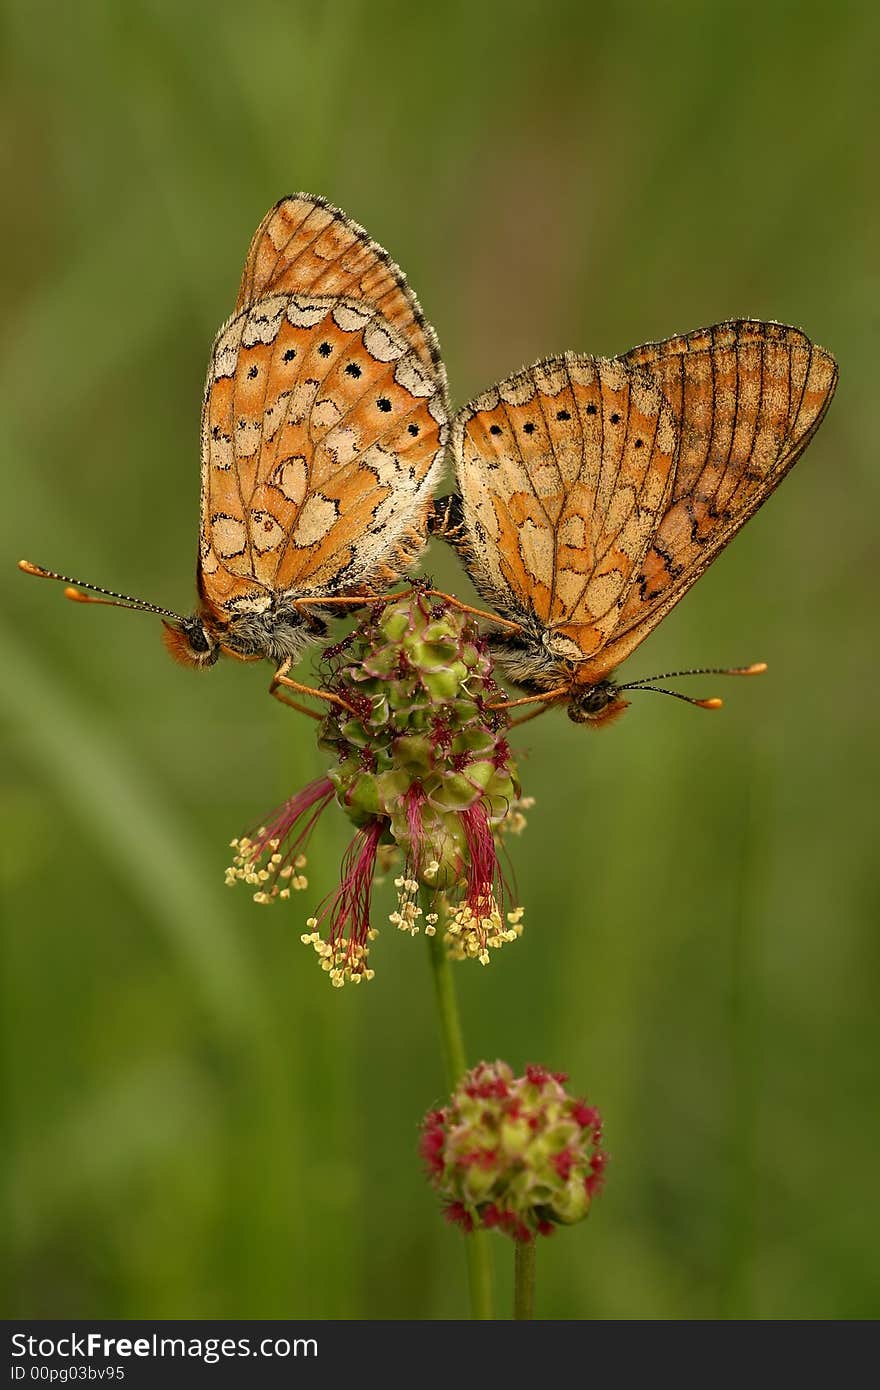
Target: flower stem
<point x="455" y="1063"/>
<point x="524" y="1279"/>
<point x="452" y="1038"/>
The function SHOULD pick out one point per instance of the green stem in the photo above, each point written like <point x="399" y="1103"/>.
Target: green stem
<point x="455" y="1064"/>
<point x="452" y="1038"/>
<point x="524" y="1279"/>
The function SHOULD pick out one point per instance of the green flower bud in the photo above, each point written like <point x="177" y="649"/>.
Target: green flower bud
<point x="421" y="765"/>
<point x="516" y="1153"/>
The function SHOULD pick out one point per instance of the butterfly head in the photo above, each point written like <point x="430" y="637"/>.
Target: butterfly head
<point x="192" y="641"/>
<point x="596" y="704"/>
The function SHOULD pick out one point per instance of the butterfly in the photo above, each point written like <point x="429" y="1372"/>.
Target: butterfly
<point x="593" y="493"/>
<point x="324" y="427"/>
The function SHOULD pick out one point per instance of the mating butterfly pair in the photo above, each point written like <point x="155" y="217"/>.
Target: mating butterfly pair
<point x="592" y="492"/>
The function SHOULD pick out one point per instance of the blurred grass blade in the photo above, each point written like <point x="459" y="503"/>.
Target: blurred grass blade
<point x="104" y="788"/>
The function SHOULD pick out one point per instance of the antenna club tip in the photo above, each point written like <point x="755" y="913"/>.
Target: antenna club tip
<point x="714" y="703"/>
<point x="77" y="595"/>
<point x="757" y="668"/>
<point x="27" y="568"/>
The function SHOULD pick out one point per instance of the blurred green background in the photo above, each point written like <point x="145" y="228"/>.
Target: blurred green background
<point x="200" y="1126"/>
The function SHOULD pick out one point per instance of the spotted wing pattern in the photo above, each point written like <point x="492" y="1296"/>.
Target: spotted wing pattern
<point x="322" y="436"/>
<point x="304" y="245"/>
<point x="565" y="471"/>
<point x="748" y="397"/>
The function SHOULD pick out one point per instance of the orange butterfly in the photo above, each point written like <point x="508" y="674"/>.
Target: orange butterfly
<point x="323" y="432"/>
<point x="593" y="493"/>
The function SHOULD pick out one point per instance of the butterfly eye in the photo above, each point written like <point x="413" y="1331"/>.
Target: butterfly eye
<point x="198" y="637"/>
<point x="190" y="642"/>
<point x="597" y="698"/>
<point x="596" y="703"/>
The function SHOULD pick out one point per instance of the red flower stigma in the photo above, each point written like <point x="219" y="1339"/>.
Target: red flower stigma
<point x="482" y="869"/>
<point x="349" y="907"/>
<point x="478" y="1158"/>
<point x="414" y="801"/>
<point x="563" y="1162"/>
<point x="431" y="1149"/>
<point x="271" y="857"/>
<point x="283" y="821"/>
<point x="441" y="735"/>
<point x="586" y="1115"/>
<point x="457" y="1214"/>
<point x="595" y="1179"/>
<point x="501" y="753"/>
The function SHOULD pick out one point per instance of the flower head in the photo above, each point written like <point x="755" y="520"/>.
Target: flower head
<point x="516" y="1153"/>
<point x="423" y="769"/>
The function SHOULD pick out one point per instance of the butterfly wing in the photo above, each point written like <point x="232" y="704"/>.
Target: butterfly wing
<point x="748" y="397"/>
<point x="565" y="471"/>
<point x="306" y="246"/>
<point x="322" y="436"/>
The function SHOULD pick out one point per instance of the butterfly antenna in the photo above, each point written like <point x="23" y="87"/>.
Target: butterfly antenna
<point x="757" y="668"/>
<point x="714" y="703"/>
<point x="111" y="597"/>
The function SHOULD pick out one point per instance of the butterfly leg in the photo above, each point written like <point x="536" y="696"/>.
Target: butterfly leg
<point x="446" y="520"/>
<point x="281" y="678"/>
<point x="476" y="612"/>
<point x="547" y="697"/>
<point x="350" y="601"/>
<point x="535" y="714"/>
<point x="293" y="704"/>
<point x="365" y="601"/>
